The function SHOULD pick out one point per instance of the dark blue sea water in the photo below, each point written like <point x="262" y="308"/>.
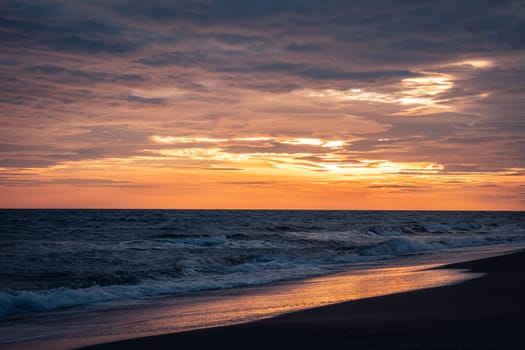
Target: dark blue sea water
<point x="53" y="259"/>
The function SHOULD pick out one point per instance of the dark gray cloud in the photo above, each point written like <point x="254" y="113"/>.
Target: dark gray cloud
<point x="303" y="70"/>
<point x="119" y="27"/>
<point x="64" y="27"/>
<point x="153" y="101"/>
<point x="338" y="32"/>
<point x="67" y="75"/>
<point x="179" y="58"/>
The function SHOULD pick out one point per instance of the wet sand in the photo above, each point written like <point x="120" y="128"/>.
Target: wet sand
<point x="485" y="313"/>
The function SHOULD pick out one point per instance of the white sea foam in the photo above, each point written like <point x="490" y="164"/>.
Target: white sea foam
<point x="384" y="231"/>
<point x="16" y="302"/>
<point x="108" y="256"/>
<point x="399" y="246"/>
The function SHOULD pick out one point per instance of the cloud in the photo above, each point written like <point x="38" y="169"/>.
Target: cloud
<point x="29" y="162"/>
<point x="92" y="182"/>
<point x="329" y="74"/>
<point x="248" y="183"/>
<point x="24" y="180"/>
<point x="371" y="88"/>
<point x="223" y="169"/>
<point x="83" y="76"/>
<point x="183" y="59"/>
<point x="396" y="186"/>
<point x="62" y="27"/>
<point x="153" y="100"/>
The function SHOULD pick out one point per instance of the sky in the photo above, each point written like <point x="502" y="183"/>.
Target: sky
<point x="263" y="104"/>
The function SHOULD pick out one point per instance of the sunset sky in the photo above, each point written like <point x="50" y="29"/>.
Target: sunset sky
<point x="339" y="104"/>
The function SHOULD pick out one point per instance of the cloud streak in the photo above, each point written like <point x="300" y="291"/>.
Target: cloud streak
<point x="347" y="98"/>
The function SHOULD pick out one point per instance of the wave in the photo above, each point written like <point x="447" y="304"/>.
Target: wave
<point x="25" y="301"/>
<point x="449" y="227"/>
<point x="108" y="256"/>
<point x="425" y="227"/>
<point x="399" y="246"/>
<point x="230" y="272"/>
<point x="203" y="241"/>
<point x="384" y="231"/>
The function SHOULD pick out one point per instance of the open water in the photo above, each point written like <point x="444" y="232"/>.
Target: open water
<point x="56" y="259"/>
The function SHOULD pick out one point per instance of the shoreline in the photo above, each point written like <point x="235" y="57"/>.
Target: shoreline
<point x="228" y="307"/>
<point x="480" y="313"/>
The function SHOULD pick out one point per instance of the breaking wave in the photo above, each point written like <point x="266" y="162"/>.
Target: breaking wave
<point x="105" y="256"/>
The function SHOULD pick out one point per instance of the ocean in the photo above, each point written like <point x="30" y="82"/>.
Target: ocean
<point x="56" y="259"/>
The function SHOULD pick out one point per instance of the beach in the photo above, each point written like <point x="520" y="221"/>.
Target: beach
<point x="482" y="313"/>
<point x="291" y="174"/>
<point x="115" y="275"/>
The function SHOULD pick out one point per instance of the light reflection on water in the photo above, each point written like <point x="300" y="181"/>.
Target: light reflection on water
<point x="257" y="303"/>
<point x="219" y="308"/>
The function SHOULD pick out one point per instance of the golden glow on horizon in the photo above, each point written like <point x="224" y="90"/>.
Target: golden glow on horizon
<point x="262" y="181"/>
<point x="325" y="148"/>
<point x="290" y="108"/>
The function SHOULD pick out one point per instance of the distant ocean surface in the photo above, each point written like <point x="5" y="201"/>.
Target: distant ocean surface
<point x="54" y="259"/>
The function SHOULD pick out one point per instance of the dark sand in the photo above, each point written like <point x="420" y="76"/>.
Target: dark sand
<point x="485" y="313"/>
